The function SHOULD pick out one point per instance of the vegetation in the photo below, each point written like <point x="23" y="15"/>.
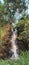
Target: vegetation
<point x="8" y="17"/>
<point x="23" y="60"/>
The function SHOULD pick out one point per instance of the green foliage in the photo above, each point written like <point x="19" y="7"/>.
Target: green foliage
<point x="22" y="60"/>
<point x="6" y="16"/>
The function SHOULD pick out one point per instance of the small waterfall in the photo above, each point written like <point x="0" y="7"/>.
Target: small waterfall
<point x="14" y="46"/>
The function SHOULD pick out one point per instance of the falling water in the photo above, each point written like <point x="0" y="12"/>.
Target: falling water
<point x="14" y="46"/>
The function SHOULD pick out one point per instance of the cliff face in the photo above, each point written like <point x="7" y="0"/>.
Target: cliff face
<point x="5" y="43"/>
<point x="22" y="42"/>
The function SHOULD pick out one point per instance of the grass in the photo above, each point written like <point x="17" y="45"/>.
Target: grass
<point x="23" y="60"/>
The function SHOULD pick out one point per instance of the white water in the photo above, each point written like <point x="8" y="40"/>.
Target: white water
<point x="14" y="46"/>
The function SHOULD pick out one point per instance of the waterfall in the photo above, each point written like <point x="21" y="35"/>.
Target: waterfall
<point x="14" y="46"/>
